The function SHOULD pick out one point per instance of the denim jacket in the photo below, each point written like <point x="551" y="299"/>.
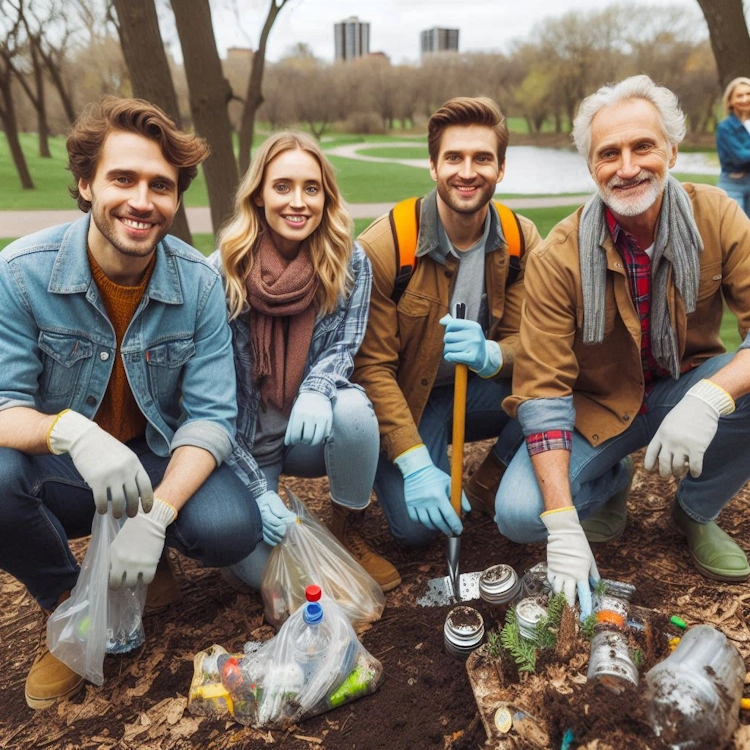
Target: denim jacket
<point x="330" y="361"/>
<point x="733" y="145"/>
<point x="57" y="345"/>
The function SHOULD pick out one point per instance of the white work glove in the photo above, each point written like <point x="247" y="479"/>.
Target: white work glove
<point x="107" y="466"/>
<point x="465" y="344"/>
<point x="275" y="516"/>
<point x="311" y="419"/>
<point x="687" y="431"/>
<point x="570" y="562"/>
<point x="427" y="492"/>
<point x="136" y="549"/>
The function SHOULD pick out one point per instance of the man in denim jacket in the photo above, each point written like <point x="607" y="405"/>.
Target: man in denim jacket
<point x="117" y="381"/>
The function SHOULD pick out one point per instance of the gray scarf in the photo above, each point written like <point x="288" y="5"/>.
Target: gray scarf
<point x="677" y="244"/>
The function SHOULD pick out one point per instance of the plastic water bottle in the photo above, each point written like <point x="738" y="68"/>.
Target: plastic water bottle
<point x="693" y="696"/>
<point x="312" y="641"/>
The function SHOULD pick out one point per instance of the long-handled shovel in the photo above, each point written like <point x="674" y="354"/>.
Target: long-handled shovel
<point x="455" y="587"/>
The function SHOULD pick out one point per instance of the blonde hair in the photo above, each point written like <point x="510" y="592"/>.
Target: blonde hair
<point x="729" y="90"/>
<point x="331" y="243"/>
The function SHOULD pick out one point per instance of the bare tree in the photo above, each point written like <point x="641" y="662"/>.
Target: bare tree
<point x="210" y="94"/>
<point x="8" y="50"/>
<point x="140" y="38"/>
<point x="730" y="40"/>
<point x="254" y="95"/>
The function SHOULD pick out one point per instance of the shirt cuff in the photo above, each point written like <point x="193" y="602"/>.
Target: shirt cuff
<point x="550" y="440"/>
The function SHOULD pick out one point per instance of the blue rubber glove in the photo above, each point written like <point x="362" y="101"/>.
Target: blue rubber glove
<point x="311" y="419"/>
<point x="464" y="343"/>
<point x="571" y="567"/>
<point x="275" y="517"/>
<point x="427" y="491"/>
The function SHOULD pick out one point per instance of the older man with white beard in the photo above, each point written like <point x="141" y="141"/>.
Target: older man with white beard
<point x="620" y="347"/>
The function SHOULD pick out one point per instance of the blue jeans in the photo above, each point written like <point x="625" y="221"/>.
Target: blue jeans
<point x="348" y="458"/>
<point x="45" y="502"/>
<point x="484" y="419"/>
<point x="596" y="473"/>
<point x="737" y="188"/>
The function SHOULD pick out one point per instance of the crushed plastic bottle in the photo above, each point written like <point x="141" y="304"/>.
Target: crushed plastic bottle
<point x="693" y="696"/>
<point x="124" y="619"/>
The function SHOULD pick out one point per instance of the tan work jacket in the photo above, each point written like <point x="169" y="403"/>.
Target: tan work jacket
<point x="606" y="379"/>
<point x="400" y="356"/>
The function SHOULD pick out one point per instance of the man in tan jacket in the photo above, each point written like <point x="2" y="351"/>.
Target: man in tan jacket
<point x="620" y="347"/>
<point x="407" y="360"/>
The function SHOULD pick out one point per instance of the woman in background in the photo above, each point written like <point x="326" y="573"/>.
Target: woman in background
<point x="298" y="292"/>
<point x="733" y="142"/>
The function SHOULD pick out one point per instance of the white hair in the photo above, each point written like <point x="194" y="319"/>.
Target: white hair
<point x="636" y="87"/>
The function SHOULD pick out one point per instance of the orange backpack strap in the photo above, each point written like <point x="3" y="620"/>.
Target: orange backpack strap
<point x="514" y="237"/>
<point x="404" y="220"/>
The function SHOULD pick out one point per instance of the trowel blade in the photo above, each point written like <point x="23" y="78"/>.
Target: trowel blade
<point x="440" y="590"/>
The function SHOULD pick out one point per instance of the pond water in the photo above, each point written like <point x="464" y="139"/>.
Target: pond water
<point x="530" y="170"/>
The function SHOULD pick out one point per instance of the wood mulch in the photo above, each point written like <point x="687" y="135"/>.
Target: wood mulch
<point x="425" y="701"/>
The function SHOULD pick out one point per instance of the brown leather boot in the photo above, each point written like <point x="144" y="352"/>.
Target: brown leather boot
<point x="48" y="678"/>
<point x="483" y="484"/>
<point x="164" y="589"/>
<point x="346" y="526"/>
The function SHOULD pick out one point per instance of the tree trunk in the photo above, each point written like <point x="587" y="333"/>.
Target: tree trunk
<point x="210" y="94"/>
<point x="143" y="49"/>
<point x="40" y="103"/>
<point x="254" y="95"/>
<point x="730" y="40"/>
<point x="55" y="75"/>
<point x="10" y="126"/>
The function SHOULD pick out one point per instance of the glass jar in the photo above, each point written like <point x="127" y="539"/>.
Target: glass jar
<point x="463" y="631"/>
<point x="498" y="586"/>
<point x="529" y="612"/>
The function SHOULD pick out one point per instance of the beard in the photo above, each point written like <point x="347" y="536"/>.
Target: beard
<point x="653" y="187"/>
<point x="460" y="205"/>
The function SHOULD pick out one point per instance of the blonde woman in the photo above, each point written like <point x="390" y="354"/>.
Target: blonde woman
<point x="733" y="142"/>
<point x="298" y="292"/>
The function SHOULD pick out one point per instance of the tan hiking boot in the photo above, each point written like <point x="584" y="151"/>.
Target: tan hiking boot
<point x="48" y="678"/>
<point x="482" y="487"/>
<point x="164" y="589"/>
<point x="346" y="526"/>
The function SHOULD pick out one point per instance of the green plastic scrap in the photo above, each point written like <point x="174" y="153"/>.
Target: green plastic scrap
<point x="678" y="622"/>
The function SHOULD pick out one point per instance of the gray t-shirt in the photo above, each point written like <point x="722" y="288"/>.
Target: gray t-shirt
<point x="268" y="447"/>
<point x="469" y="288"/>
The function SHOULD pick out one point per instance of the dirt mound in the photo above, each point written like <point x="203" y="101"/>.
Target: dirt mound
<point x="426" y="700"/>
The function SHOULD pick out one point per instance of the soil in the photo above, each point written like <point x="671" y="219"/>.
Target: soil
<point x="426" y="700"/>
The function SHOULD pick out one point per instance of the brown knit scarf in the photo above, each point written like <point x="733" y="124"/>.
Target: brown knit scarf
<point x="280" y="294"/>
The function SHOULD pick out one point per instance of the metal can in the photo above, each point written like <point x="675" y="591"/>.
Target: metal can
<point x="499" y="585"/>
<point x="463" y="631"/>
<point x="610" y="662"/>
<point x="529" y="612"/>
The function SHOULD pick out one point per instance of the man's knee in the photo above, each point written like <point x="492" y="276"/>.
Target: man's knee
<point x="517" y="520"/>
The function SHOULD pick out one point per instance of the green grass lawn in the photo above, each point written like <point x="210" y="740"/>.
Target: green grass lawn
<point x="405" y="152"/>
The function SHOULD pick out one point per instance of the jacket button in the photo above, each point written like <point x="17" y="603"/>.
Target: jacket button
<point x="104" y="356"/>
<point x="424" y="381"/>
<point x="90" y="400"/>
<point x="448" y="274"/>
<point x="594" y="437"/>
<point x="626" y="417"/>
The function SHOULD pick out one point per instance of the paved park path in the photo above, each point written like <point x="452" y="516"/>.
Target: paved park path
<point x="19" y="223"/>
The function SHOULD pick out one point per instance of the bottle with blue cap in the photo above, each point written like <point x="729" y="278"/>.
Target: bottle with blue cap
<point x="313" y="640"/>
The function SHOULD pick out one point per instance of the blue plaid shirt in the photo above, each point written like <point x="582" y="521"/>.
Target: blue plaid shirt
<point x="330" y="361"/>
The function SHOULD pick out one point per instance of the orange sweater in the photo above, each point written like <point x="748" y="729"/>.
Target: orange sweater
<point x="118" y="414"/>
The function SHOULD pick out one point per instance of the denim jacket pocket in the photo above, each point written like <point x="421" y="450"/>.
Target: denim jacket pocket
<point x="63" y="356"/>
<point x="165" y="362"/>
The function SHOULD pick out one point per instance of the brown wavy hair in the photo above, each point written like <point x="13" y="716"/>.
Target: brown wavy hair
<point x="331" y="244"/>
<point x="86" y="139"/>
<point x="467" y="110"/>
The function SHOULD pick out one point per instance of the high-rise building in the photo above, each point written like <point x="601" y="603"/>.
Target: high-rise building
<point x="439" y="40"/>
<point x="352" y="38"/>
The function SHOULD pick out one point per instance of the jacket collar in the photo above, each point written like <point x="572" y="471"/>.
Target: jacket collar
<point x="71" y="273"/>
<point x="428" y="242"/>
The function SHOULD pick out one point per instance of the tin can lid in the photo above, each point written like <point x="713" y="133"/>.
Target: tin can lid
<point x="498" y="580"/>
<point x="464" y="621"/>
<point x="530" y="611"/>
<point x="503" y="719"/>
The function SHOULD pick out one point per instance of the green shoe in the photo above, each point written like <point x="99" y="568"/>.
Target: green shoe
<point x="715" y="554"/>
<point x="608" y="522"/>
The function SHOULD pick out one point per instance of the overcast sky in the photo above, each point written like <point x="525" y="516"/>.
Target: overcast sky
<point x="485" y="25"/>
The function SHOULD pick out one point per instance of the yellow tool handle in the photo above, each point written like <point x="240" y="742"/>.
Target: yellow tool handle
<point x="459" y="431"/>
